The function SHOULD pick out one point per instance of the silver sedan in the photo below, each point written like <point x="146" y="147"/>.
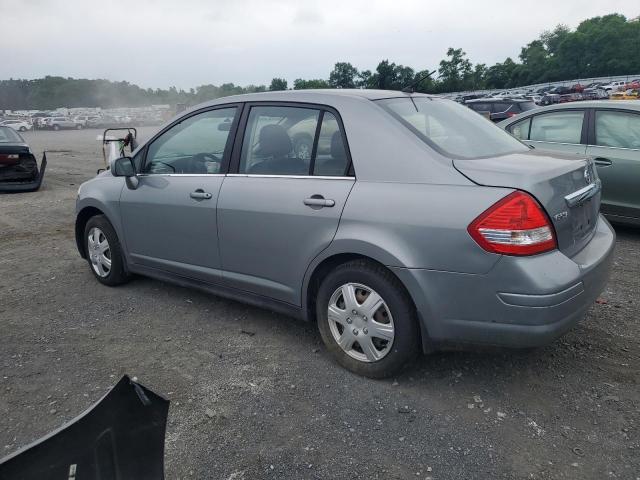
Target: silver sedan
<point x="416" y="224"/>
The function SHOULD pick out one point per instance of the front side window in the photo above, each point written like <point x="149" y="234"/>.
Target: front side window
<point x="617" y="129"/>
<point x="450" y="128"/>
<point x="521" y="129"/>
<point x="557" y="127"/>
<point x="196" y="145"/>
<point x="279" y="141"/>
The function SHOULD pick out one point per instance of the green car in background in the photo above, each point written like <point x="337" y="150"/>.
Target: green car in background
<point x="607" y="131"/>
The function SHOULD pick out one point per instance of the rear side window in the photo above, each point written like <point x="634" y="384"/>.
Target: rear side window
<point x="521" y="129"/>
<point x="450" y="128"/>
<point x="617" y="129"/>
<point x="331" y="154"/>
<point x="481" y="107"/>
<point x="557" y="127"/>
<point x="292" y="141"/>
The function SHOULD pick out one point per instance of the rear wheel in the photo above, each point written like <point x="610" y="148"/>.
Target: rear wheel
<point x="23" y="129"/>
<point x="367" y="320"/>
<point x="104" y="252"/>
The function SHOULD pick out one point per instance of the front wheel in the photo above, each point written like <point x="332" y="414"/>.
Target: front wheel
<point x="103" y="252"/>
<point x="367" y="320"/>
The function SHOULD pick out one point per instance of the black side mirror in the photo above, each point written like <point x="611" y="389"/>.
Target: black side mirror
<point x="122" y="167"/>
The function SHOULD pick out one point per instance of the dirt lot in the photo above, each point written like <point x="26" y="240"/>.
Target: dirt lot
<point x="272" y="404"/>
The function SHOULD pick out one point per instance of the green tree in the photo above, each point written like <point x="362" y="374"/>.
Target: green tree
<point x="343" y="75"/>
<point x="300" y="84"/>
<point x="278" y="84"/>
<point x="456" y="72"/>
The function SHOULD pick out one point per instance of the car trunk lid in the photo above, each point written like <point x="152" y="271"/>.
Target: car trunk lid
<point x="567" y="188"/>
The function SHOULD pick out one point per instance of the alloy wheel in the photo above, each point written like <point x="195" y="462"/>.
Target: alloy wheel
<point x="99" y="252"/>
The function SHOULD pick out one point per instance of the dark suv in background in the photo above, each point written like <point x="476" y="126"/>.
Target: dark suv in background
<point x="498" y="109"/>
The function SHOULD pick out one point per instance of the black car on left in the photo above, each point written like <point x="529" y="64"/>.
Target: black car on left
<point x="19" y="170"/>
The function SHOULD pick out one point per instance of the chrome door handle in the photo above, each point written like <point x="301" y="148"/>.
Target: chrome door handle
<point x="319" y="201"/>
<point x="603" y="162"/>
<point x="200" y="195"/>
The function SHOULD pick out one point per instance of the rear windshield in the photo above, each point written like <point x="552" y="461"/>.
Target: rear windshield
<point x="450" y="128"/>
<point x="9" y="135"/>
<point x="524" y="106"/>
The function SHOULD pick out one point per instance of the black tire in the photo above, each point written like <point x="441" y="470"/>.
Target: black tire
<point x="406" y="343"/>
<point x="23" y="129"/>
<point x="117" y="274"/>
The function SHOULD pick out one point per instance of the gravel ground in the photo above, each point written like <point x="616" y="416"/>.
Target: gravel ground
<point x="270" y="403"/>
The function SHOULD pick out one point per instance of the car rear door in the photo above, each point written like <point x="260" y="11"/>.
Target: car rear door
<point x="614" y="143"/>
<point x="169" y="220"/>
<point x="279" y="210"/>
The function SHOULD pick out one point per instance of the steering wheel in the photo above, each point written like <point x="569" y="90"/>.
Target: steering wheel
<point x="199" y="161"/>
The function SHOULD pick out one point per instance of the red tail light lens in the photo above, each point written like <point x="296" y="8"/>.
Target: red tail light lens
<point x="516" y="225"/>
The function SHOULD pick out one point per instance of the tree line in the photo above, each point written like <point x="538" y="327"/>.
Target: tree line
<point x="599" y="46"/>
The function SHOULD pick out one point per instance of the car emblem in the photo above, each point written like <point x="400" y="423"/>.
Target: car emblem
<point x="587" y="175"/>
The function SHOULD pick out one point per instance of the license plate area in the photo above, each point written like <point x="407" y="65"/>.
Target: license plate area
<point x="583" y="219"/>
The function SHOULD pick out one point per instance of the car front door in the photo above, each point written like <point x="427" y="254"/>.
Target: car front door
<point x="615" y="146"/>
<point x="281" y="208"/>
<point x="169" y="219"/>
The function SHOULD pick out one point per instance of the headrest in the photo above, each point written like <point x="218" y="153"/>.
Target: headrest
<point x="274" y="141"/>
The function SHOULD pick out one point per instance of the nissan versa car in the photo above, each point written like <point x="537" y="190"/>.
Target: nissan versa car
<point x="422" y="224"/>
<point x="608" y="131"/>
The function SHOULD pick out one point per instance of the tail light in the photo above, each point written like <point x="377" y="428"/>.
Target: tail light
<point x="511" y="114"/>
<point x="515" y="225"/>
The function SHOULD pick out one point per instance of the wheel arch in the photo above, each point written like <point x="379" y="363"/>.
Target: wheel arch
<point x="322" y="266"/>
<point x="81" y="222"/>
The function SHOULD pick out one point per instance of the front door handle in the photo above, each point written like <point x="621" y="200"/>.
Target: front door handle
<point x="603" y="162"/>
<point x="200" y="194"/>
<point x="318" y="201"/>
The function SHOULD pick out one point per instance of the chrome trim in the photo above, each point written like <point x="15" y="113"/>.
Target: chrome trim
<point x="316" y="177"/>
<point x="582" y="195"/>
<point x="614" y="148"/>
<point x="181" y="175"/>
<point x="556" y="143"/>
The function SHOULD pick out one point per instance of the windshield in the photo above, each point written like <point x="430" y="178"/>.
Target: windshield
<point x="9" y="135"/>
<point x="450" y="128"/>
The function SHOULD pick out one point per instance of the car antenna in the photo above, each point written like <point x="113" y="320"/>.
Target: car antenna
<point x="411" y="88"/>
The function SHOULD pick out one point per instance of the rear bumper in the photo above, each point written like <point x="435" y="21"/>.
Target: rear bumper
<point x="521" y="302"/>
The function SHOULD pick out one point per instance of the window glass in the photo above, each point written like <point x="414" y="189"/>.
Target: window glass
<point x="501" y="107"/>
<point x="279" y="141"/>
<point x="331" y="154"/>
<point x="521" y="129"/>
<point x="195" y="145"/>
<point x="559" y="127"/>
<point x="481" y="107"/>
<point x="617" y="129"/>
<point x="451" y="128"/>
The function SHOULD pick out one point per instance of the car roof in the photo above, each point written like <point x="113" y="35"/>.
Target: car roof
<point x="312" y="95"/>
<point x="498" y="99"/>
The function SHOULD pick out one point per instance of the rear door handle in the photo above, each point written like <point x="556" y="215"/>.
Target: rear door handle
<point x="603" y="162"/>
<point x="319" y="201"/>
<point x="200" y="194"/>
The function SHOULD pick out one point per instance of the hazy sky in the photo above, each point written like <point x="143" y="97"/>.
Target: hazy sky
<point x="193" y="42"/>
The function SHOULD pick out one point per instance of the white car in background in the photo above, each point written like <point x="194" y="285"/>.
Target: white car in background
<point x="614" y="86"/>
<point x="18" y="125"/>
